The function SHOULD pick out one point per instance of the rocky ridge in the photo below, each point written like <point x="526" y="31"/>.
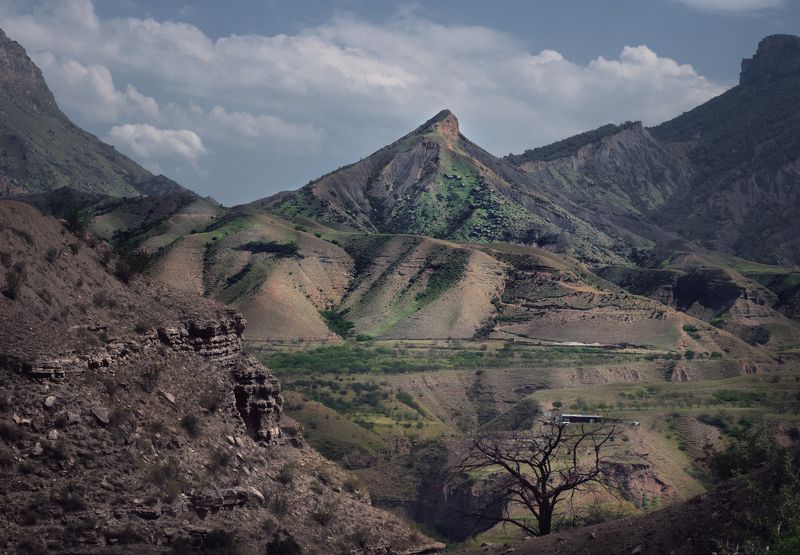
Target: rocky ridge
<point x="777" y="56"/>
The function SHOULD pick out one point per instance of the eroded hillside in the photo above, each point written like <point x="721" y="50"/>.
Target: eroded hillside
<point x="160" y="429"/>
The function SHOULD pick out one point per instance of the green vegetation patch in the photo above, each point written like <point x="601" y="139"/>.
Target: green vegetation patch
<point x="444" y="275"/>
<point x="336" y="321"/>
<point x="282" y="250"/>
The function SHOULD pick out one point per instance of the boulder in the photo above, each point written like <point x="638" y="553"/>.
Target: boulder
<point x="102" y="415"/>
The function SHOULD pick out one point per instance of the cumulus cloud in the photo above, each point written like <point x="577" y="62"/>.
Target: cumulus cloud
<point x="257" y="130"/>
<point x="152" y="143"/>
<point x="733" y="5"/>
<point x="337" y="90"/>
<point x="91" y="92"/>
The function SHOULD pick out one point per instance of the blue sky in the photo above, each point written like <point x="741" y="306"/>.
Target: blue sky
<point x="241" y="99"/>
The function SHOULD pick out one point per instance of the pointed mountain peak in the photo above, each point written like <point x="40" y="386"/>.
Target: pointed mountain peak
<point x="445" y="122"/>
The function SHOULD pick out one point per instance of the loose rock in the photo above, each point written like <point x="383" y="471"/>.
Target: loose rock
<point x="103" y="415"/>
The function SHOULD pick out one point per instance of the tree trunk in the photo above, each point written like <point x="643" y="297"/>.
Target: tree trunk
<point x="545" y="520"/>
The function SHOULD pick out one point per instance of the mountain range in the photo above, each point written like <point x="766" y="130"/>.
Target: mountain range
<point x="697" y="213"/>
<point x="639" y="261"/>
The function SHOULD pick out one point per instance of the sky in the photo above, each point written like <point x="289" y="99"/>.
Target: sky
<point x="241" y="99"/>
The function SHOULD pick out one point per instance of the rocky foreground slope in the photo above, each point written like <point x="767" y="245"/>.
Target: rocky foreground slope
<point x="131" y="420"/>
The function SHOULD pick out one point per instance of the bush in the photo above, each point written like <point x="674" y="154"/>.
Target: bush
<point x="221" y="541"/>
<point x="149" y="377"/>
<point x="35" y="511"/>
<point x="101" y="299"/>
<point x="212" y="399"/>
<point x="219" y="459"/>
<point x="166" y="477"/>
<point x="6" y="460"/>
<point x="324" y="513"/>
<point x="287" y="473"/>
<point x="283" y="544"/>
<point x="15" y="277"/>
<point x="130" y="263"/>
<point x="191" y="425"/>
<point x="70" y="500"/>
<point x="10" y="433"/>
<point x="77" y="221"/>
<point x="52" y="255"/>
<point x="336" y="322"/>
<point x="279" y="504"/>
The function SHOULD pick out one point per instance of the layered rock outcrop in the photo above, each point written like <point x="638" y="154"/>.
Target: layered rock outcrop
<point x="777" y="56"/>
<point x="220" y="340"/>
<point x="258" y="399"/>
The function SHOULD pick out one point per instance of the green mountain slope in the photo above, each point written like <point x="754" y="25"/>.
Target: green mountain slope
<point x="436" y="182"/>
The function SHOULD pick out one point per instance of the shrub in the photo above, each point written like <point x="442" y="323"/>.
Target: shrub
<point x="212" y="399"/>
<point x="287" y="473"/>
<point x="130" y="263"/>
<point x="324" y="513"/>
<point x="219" y="459"/>
<point x="52" y="255"/>
<point x="10" y="433"/>
<point x="336" y="322"/>
<point x="15" y="277"/>
<point x="166" y="477"/>
<point x="191" y="425"/>
<point x="6" y="459"/>
<point x="55" y="451"/>
<point x="33" y="512"/>
<point x="221" y="541"/>
<point x="352" y="484"/>
<point x="283" y="544"/>
<point x="690" y="328"/>
<point x="70" y="500"/>
<point x="279" y="504"/>
<point x="77" y="221"/>
<point x="149" y="377"/>
<point x="101" y="299"/>
<point x="141" y="327"/>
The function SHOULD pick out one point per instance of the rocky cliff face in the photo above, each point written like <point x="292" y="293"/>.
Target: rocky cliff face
<point x="18" y="74"/>
<point x="777" y="56"/>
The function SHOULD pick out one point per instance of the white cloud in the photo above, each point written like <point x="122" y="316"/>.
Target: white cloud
<point x="257" y="130"/>
<point x="338" y="90"/>
<point x="152" y="143"/>
<point x="91" y="92"/>
<point x="733" y="5"/>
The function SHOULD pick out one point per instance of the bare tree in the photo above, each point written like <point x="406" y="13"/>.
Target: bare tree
<point x="540" y="469"/>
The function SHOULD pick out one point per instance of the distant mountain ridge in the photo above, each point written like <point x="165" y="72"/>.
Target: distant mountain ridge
<point x="42" y="150"/>
<point x="725" y="174"/>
